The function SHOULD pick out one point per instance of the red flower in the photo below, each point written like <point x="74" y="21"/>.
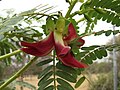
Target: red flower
<point x="55" y="40"/>
<point x="41" y="48"/>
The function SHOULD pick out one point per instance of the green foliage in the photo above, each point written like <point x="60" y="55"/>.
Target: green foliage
<point x="80" y="81"/>
<point x="104" y="10"/>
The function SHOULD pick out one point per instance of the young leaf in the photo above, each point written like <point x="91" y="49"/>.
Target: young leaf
<point x="66" y="76"/>
<point x="44" y="62"/>
<point x="88" y="17"/>
<point x="64" y="84"/>
<point x="79" y="82"/>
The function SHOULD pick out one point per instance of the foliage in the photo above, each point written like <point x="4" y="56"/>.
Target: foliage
<point x="21" y="27"/>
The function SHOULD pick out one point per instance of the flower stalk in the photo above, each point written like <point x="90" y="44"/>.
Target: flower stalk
<point x="16" y="75"/>
<point x="70" y="8"/>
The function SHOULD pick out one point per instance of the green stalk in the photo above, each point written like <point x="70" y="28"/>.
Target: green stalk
<point x="10" y="54"/>
<point x="16" y="75"/>
<point x="54" y="70"/>
<point x="70" y="8"/>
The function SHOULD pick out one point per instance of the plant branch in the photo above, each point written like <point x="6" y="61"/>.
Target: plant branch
<point x="18" y="73"/>
<point x="70" y="8"/>
<point x="54" y="70"/>
<point x="10" y="54"/>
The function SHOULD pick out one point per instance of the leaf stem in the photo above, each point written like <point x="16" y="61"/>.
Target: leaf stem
<point x="54" y="70"/>
<point x="10" y="54"/>
<point x="17" y="74"/>
<point x="70" y="8"/>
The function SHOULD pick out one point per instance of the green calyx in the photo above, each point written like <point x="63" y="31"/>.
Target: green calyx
<point x="50" y="25"/>
<point x="60" y="24"/>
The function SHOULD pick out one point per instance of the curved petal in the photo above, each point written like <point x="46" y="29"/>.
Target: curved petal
<point x="71" y="33"/>
<point x="60" y="48"/>
<point x="81" y="41"/>
<point x="69" y="60"/>
<point x="40" y="48"/>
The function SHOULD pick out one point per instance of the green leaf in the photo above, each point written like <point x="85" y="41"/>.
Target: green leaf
<point x="103" y="52"/>
<point x="42" y="80"/>
<point x="69" y="70"/>
<point x="51" y="87"/>
<point x="59" y="87"/>
<point x="99" y="10"/>
<point x="99" y="33"/>
<point x="115" y="32"/>
<point x="66" y="76"/>
<point x="79" y="82"/>
<point x="44" y="62"/>
<point x="108" y="32"/>
<point x="98" y="54"/>
<point x="45" y="71"/>
<point x="92" y="56"/>
<point x="64" y="84"/>
<point x="88" y="17"/>
<point x="88" y="59"/>
<point x="43" y="85"/>
<point x="90" y="47"/>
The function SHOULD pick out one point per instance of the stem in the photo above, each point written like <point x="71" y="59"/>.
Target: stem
<point x="82" y="19"/>
<point x="10" y="54"/>
<point x="54" y="70"/>
<point x="16" y="75"/>
<point x="70" y="8"/>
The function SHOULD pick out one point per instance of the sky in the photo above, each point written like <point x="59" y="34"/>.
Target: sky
<point x="23" y="5"/>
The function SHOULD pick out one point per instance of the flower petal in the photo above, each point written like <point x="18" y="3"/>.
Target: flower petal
<point x="60" y="48"/>
<point x="81" y="41"/>
<point x="69" y="60"/>
<point x="40" y="48"/>
<point x="71" y="33"/>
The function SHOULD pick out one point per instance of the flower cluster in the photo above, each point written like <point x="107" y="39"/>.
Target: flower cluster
<point x="61" y="44"/>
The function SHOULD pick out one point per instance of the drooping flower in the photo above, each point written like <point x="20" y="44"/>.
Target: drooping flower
<point x="41" y="48"/>
<point x="55" y="41"/>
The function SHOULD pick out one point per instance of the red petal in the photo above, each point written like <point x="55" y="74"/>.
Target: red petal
<point x="60" y="48"/>
<point x="40" y="48"/>
<point x="71" y="33"/>
<point x="69" y="60"/>
<point x="82" y="42"/>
